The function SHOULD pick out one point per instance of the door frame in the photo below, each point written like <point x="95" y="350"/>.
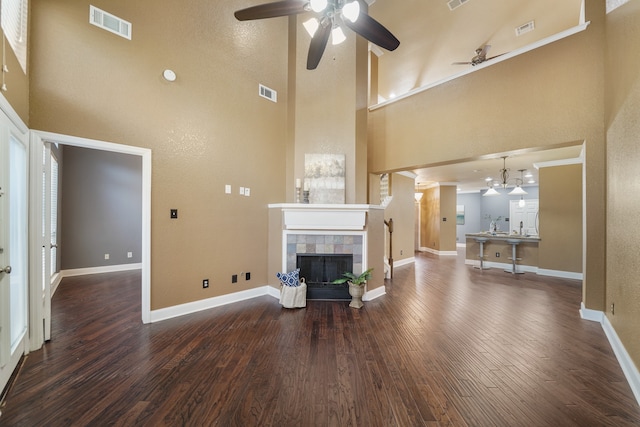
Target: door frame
<point x="37" y="140"/>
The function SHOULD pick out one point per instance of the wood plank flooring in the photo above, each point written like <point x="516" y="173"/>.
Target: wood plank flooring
<point x="448" y="345"/>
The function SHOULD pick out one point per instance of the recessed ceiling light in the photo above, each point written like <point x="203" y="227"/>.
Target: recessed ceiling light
<point x="488" y="179"/>
<point x="531" y="181"/>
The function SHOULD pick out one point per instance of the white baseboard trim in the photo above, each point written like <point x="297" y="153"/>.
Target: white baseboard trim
<point x="592" y="315"/>
<point x="55" y="282"/>
<point x="559" y="273"/>
<point x="205" y="304"/>
<point x="405" y="261"/>
<point x="461" y="245"/>
<point x="439" y="253"/>
<point x="528" y="269"/>
<point x="626" y="363"/>
<point x="629" y="368"/>
<point x="374" y="293"/>
<point x="98" y="270"/>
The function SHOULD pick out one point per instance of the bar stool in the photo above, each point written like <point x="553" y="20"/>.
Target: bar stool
<point x="481" y="241"/>
<point x="514" y="243"/>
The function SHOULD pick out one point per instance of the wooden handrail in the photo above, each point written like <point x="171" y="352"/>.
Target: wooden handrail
<point x="389" y="225"/>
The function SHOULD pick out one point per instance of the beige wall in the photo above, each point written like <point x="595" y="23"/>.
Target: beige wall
<point x="560" y="219"/>
<point x="537" y="99"/>
<point x="448" y="200"/>
<point x="207" y="129"/>
<point x="623" y="161"/>
<point x="430" y="219"/>
<point x="402" y="211"/>
<point x="329" y="114"/>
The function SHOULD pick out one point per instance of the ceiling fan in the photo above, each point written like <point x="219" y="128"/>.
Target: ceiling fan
<point x="480" y="57"/>
<point x="330" y="15"/>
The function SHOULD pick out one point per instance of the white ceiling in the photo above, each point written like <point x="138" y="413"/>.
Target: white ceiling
<point x="432" y="37"/>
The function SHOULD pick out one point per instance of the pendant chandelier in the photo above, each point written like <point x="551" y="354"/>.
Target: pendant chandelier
<point x="504" y="182"/>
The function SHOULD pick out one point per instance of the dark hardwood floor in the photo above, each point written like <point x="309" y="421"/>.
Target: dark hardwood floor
<point x="447" y="346"/>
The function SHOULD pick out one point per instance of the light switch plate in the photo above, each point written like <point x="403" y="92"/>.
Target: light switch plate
<point x="227" y="189"/>
<point x="247" y="191"/>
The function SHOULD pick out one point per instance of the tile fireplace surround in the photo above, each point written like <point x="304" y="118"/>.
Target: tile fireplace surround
<point x="296" y="228"/>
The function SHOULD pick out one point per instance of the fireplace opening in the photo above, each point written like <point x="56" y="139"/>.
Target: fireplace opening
<point x="319" y="270"/>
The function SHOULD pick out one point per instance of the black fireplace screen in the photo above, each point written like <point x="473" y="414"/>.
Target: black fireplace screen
<point x="319" y="270"/>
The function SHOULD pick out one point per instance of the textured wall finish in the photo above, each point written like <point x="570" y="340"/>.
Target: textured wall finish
<point x="623" y="158"/>
<point x="207" y="129"/>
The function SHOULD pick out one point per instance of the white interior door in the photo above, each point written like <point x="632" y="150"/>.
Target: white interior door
<point x="527" y="214"/>
<point x="14" y="248"/>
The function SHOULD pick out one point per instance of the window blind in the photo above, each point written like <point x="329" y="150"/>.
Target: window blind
<point x="14" y="24"/>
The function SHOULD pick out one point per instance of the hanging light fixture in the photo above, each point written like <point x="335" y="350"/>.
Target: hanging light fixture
<point x="351" y="11"/>
<point x="418" y="196"/>
<point x="518" y="191"/>
<point x="504" y="182"/>
<point x="337" y="35"/>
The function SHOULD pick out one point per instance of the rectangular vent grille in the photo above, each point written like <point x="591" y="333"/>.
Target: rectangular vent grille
<point x="270" y="94"/>
<point x="453" y="4"/>
<point x="525" y="28"/>
<point x="109" y="22"/>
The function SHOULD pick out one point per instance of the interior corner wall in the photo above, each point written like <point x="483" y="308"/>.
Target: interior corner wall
<point x="623" y="168"/>
<point x="560" y="218"/>
<point x="101" y="211"/>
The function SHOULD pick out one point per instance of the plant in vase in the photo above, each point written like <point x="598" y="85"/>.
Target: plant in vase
<point x="356" y="286"/>
<point x="493" y="222"/>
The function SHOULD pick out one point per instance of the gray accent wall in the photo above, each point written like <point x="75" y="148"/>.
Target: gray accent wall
<point x="477" y="207"/>
<point x="101" y="209"/>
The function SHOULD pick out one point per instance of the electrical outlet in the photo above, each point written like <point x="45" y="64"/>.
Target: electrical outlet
<point x="400" y="251"/>
<point x="247" y="276"/>
<point x="497" y="254"/>
<point x="613" y="308"/>
<point x="174" y="213"/>
<point x="205" y="283"/>
<point x="106" y="256"/>
<point x="234" y="278"/>
<point x="129" y="254"/>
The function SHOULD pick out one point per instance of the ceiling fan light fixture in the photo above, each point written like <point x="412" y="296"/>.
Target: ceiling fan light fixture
<point x="351" y="11"/>
<point x="337" y="36"/>
<point x="311" y="25"/>
<point x="318" y="5"/>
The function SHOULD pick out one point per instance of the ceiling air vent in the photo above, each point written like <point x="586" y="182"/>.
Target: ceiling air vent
<point x="108" y="22"/>
<point x="453" y="4"/>
<point x="270" y="94"/>
<point x="525" y="28"/>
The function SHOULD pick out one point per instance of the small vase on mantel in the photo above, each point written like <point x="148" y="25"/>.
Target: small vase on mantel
<point x="356" y="292"/>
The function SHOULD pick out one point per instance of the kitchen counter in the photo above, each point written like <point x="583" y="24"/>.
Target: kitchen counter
<point x="497" y="250"/>
<point x="503" y="236"/>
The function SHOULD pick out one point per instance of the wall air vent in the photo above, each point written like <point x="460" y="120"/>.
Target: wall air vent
<point x="108" y="22"/>
<point x="270" y="94"/>
<point x="453" y="4"/>
<point x="525" y="28"/>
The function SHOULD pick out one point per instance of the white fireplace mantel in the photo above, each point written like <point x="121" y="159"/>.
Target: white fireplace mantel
<point x="297" y="216"/>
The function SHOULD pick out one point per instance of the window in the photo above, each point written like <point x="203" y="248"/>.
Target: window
<point x="14" y="24"/>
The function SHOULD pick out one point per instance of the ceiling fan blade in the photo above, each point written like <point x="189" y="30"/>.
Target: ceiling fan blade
<point x="495" y="56"/>
<point x="272" y="10"/>
<point x="317" y="46"/>
<point x="461" y="63"/>
<point x="373" y="31"/>
<point x="483" y="50"/>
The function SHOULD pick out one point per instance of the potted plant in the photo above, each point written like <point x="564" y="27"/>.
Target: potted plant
<point x="356" y="286"/>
